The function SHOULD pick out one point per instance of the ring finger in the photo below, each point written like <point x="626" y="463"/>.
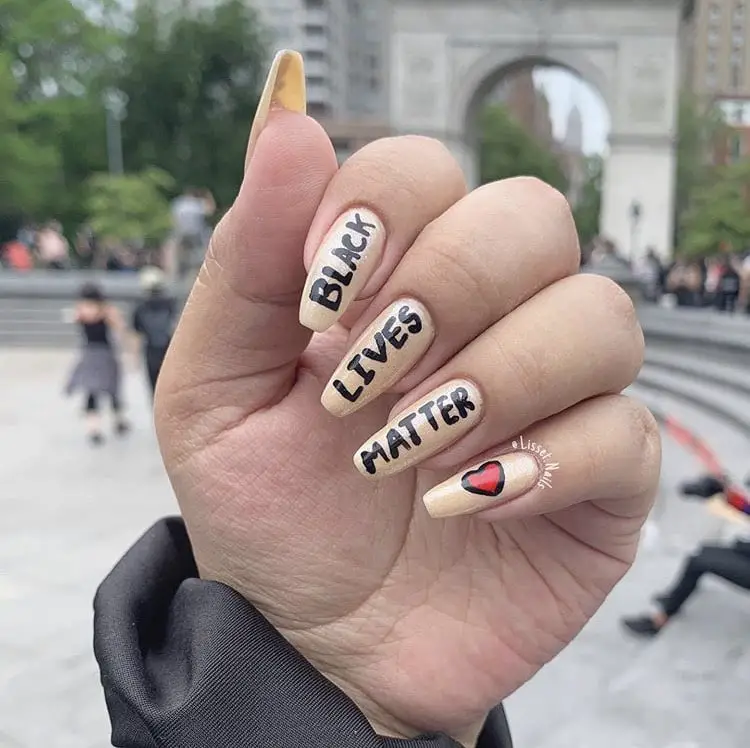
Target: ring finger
<point x="576" y="339"/>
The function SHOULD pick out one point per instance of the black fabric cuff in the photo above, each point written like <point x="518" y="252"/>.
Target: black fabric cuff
<point x="187" y="663"/>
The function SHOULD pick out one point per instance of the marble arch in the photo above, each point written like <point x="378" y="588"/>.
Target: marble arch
<point x="446" y="54"/>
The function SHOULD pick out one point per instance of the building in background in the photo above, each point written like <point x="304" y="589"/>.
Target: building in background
<point x="526" y="103"/>
<point x="343" y="43"/>
<point x="717" y="68"/>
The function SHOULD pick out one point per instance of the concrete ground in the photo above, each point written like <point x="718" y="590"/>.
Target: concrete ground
<point x="68" y="512"/>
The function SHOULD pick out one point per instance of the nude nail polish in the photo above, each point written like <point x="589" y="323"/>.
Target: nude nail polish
<point x="387" y="350"/>
<point x="423" y="429"/>
<point x="284" y="88"/>
<point x="484" y="486"/>
<point x="344" y="262"/>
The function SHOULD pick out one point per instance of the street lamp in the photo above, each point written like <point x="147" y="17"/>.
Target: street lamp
<point x="115" y="103"/>
<point x="636" y="213"/>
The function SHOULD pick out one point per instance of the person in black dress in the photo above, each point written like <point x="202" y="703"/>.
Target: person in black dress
<point x="97" y="372"/>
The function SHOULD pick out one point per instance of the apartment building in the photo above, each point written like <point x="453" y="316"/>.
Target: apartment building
<point x="343" y="45"/>
<point x="717" y="68"/>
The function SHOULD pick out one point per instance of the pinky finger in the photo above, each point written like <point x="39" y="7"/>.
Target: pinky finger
<point x="605" y="450"/>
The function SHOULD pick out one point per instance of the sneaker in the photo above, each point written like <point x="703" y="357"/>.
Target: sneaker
<point x="641" y="626"/>
<point x="703" y="488"/>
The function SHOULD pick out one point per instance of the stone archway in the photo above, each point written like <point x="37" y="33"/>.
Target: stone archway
<point x="446" y="55"/>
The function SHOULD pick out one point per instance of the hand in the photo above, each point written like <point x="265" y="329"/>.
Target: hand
<point x="426" y="623"/>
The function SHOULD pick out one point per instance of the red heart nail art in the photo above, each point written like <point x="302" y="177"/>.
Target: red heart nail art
<point x="487" y="480"/>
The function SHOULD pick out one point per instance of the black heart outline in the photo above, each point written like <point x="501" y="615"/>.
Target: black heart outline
<point x="466" y="485"/>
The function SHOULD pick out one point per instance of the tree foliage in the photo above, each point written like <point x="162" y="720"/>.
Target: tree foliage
<point x="130" y="207"/>
<point x="588" y="210"/>
<point x="192" y="80"/>
<point x="698" y="130"/>
<point x="719" y="213"/>
<point x="507" y="150"/>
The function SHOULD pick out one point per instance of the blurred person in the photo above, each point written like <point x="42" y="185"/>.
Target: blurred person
<point x="15" y="255"/>
<point x="86" y="248"/>
<point x="652" y="275"/>
<point x="727" y="287"/>
<point x="153" y="322"/>
<point x="97" y="371"/>
<point x="191" y="231"/>
<point x="728" y="562"/>
<point x="52" y="247"/>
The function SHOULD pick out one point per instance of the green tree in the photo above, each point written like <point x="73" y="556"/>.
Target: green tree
<point x="719" y="213"/>
<point x="507" y="150"/>
<point x="130" y="207"/>
<point x="28" y="165"/>
<point x="192" y="78"/>
<point x="53" y="61"/>
<point x="588" y="210"/>
<point x="699" y="129"/>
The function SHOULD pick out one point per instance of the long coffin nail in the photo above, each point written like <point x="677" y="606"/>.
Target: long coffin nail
<point x="343" y="264"/>
<point x="384" y="353"/>
<point x="484" y="486"/>
<point x="421" y="430"/>
<point x="284" y="88"/>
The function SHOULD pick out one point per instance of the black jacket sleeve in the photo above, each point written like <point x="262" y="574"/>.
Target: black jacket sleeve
<point x="187" y="663"/>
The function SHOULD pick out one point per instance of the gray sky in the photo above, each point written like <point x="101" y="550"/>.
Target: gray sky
<point x="564" y="90"/>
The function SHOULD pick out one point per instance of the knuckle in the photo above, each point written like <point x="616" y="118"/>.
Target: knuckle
<point x="604" y="295"/>
<point x="553" y="210"/>
<point x="644" y="436"/>
<point x="405" y="164"/>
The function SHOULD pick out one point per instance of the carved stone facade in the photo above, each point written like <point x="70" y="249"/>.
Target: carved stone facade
<point x="445" y="57"/>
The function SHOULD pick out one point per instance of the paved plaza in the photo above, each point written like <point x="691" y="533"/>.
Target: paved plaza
<point x="67" y="513"/>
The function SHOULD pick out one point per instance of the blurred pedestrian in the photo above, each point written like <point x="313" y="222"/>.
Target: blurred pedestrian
<point x="191" y="230"/>
<point x="53" y="247"/>
<point x="727" y="287"/>
<point x="729" y="562"/>
<point x="97" y="371"/>
<point x="153" y="322"/>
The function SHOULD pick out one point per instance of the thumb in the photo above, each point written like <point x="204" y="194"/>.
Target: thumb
<point x="240" y="323"/>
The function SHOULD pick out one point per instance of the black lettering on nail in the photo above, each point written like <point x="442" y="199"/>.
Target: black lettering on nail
<point x="346" y="256"/>
<point x="344" y="280"/>
<point x="369" y="456"/>
<point x="426" y="411"/>
<point x="462" y="401"/>
<point x="352" y="397"/>
<point x="446" y="406"/>
<point x="391" y="334"/>
<point x="408" y="424"/>
<point x="327" y="295"/>
<point x="360" y="226"/>
<point x="355" y="364"/>
<point x="396" y="442"/>
<point x="411" y="319"/>
<point x="348" y="243"/>
<point x="381" y="355"/>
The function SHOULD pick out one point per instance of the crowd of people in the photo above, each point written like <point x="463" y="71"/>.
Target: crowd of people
<point x="46" y="247"/>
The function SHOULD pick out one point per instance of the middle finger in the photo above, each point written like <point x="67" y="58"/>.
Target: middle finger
<point x="487" y="254"/>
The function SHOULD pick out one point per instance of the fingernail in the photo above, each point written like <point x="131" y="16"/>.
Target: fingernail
<point x="343" y="264"/>
<point x="384" y="353"/>
<point x="421" y="430"/>
<point x="284" y="88"/>
<point x="484" y="486"/>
